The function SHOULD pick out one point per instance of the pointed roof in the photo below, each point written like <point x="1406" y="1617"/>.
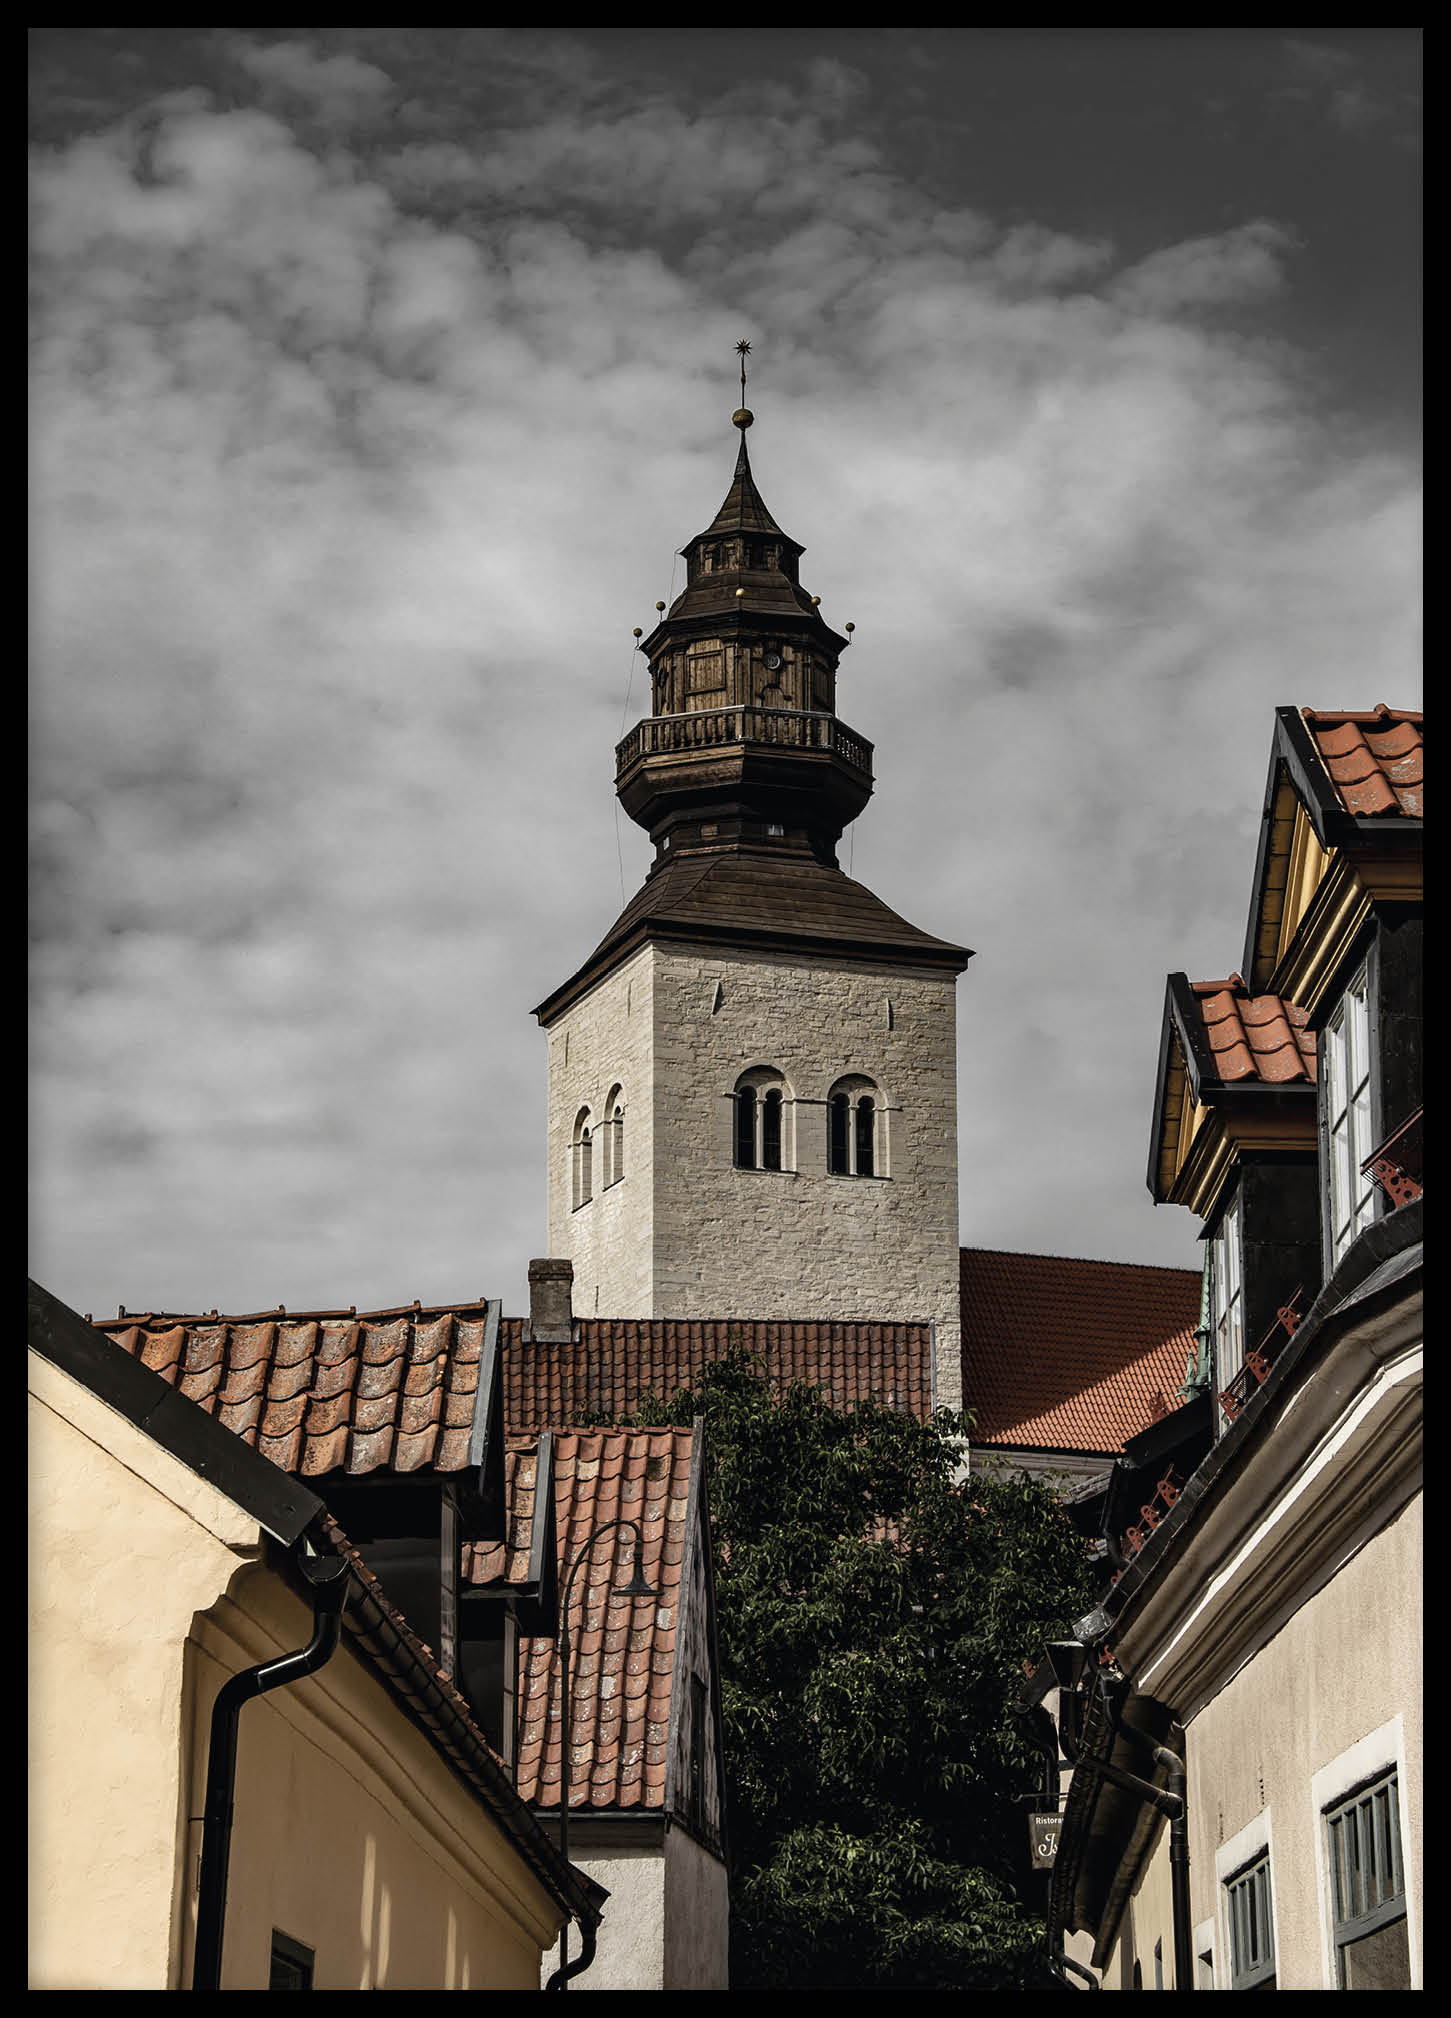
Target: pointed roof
<point x="744" y="509"/>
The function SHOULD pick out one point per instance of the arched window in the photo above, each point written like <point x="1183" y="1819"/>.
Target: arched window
<point x="582" y="1159"/>
<point x="763" y="1130"/>
<point x="855" y="1143"/>
<point x="614" y="1137"/>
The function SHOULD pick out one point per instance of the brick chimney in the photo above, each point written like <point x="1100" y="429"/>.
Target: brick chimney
<point x="551" y="1302"/>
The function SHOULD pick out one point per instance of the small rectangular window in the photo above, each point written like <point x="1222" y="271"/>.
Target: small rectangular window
<point x="1368" y="1889"/>
<point x="1251" y="1927"/>
<point x="1348" y="1142"/>
<point x="291" y="1963"/>
<point x="1226" y="1289"/>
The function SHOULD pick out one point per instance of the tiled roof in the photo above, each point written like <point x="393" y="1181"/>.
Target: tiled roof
<point x="1375" y="760"/>
<point x="355" y="1392"/>
<point x="623" y="1648"/>
<point x="328" y="1391"/>
<point x="1069" y="1355"/>
<point x="1254" y="1036"/>
<point x="614" y="1363"/>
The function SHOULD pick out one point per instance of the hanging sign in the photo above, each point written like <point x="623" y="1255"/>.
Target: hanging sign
<point x="1043" y="1839"/>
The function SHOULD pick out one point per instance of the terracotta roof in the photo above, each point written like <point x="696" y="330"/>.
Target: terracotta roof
<point x="359" y="1391"/>
<point x="1070" y="1355"/>
<point x="1375" y="760"/>
<point x="623" y="1648"/>
<point x="1254" y="1036"/>
<point x="328" y="1391"/>
<point x="614" y="1363"/>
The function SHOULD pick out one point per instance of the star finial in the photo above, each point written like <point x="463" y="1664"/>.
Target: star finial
<point x="742" y="415"/>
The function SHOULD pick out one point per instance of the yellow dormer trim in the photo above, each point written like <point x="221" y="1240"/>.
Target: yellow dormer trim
<point x="1309" y="863"/>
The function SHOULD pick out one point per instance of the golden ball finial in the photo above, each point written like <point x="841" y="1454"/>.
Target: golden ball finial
<point x="851" y="627"/>
<point x="816" y="602"/>
<point x="637" y="632"/>
<point x="659" y="606"/>
<point x="740" y="592"/>
<point x="742" y="418"/>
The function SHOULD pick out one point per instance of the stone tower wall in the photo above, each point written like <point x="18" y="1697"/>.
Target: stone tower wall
<point x="604" y="1040"/>
<point x="686" y="1233"/>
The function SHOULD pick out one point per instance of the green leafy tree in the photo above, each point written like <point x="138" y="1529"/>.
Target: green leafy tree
<point x="875" y="1609"/>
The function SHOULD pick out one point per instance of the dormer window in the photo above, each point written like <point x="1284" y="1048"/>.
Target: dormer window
<point x="853" y="1129"/>
<point x="762" y="1120"/>
<point x="1349" y="1140"/>
<point x="1226" y="1304"/>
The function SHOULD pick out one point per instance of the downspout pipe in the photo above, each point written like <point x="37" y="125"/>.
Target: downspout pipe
<point x="1174" y="1771"/>
<point x="328" y="1575"/>
<point x="1170" y="1801"/>
<point x="589" y="1931"/>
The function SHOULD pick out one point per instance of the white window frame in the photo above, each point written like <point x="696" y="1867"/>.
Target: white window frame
<point x="1380" y="1751"/>
<point x="1226" y="1304"/>
<point x="1349" y="1136"/>
<point x="1253" y="1841"/>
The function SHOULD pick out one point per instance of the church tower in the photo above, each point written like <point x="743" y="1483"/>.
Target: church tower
<point x="752" y="1079"/>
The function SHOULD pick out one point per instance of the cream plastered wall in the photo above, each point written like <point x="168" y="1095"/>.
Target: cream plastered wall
<point x="630" y="1952"/>
<point x="1346" y="1667"/>
<point x="126" y="1544"/>
<point x="686" y="1234"/>
<point x="351" y="1835"/>
<point x="697" y="1917"/>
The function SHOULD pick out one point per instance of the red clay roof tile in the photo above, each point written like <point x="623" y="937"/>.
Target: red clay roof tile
<point x="614" y="1363"/>
<point x="1069" y="1355"/>
<point x="1375" y="761"/>
<point x="624" y="1650"/>
<point x="1255" y="1036"/>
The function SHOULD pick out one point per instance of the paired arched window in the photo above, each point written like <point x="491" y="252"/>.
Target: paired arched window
<point x="582" y="1159"/>
<point x="855" y="1143"/>
<point x="762" y="1120"/>
<point x="613" y="1130"/>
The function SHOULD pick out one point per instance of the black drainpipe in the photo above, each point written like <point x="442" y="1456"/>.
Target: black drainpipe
<point x="328" y="1575"/>
<point x="1170" y="1801"/>
<point x="588" y="1930"/>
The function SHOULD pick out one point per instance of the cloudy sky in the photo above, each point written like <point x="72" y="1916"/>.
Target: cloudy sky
<point x="379" y="375"/>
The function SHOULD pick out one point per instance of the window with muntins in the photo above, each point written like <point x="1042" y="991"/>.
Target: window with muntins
<point x="1368" y="1889"/>
<point x="1345" y="1049"/>
<point x="1226" y="1291"/>
<point x="1251" y="1927"/>
<point x="854" y="1146"/>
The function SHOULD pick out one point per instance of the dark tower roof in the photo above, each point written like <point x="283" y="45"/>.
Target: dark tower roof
<point x="744" y="509"/>
<point x="743" y="773"/>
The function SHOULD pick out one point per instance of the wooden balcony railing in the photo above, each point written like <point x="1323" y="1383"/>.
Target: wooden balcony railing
<point x="723" y="728"/>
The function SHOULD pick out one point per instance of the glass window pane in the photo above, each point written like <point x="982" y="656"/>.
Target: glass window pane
<point x="1378" y="1961"/>
<point x="837" y="1132"/>
<point x="746" y="1128"/>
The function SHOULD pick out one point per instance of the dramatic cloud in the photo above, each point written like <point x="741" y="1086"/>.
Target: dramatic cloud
<point x="360" y="446"/>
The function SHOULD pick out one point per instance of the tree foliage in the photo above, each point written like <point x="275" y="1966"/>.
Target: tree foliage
<point x="874" y="1611"/>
